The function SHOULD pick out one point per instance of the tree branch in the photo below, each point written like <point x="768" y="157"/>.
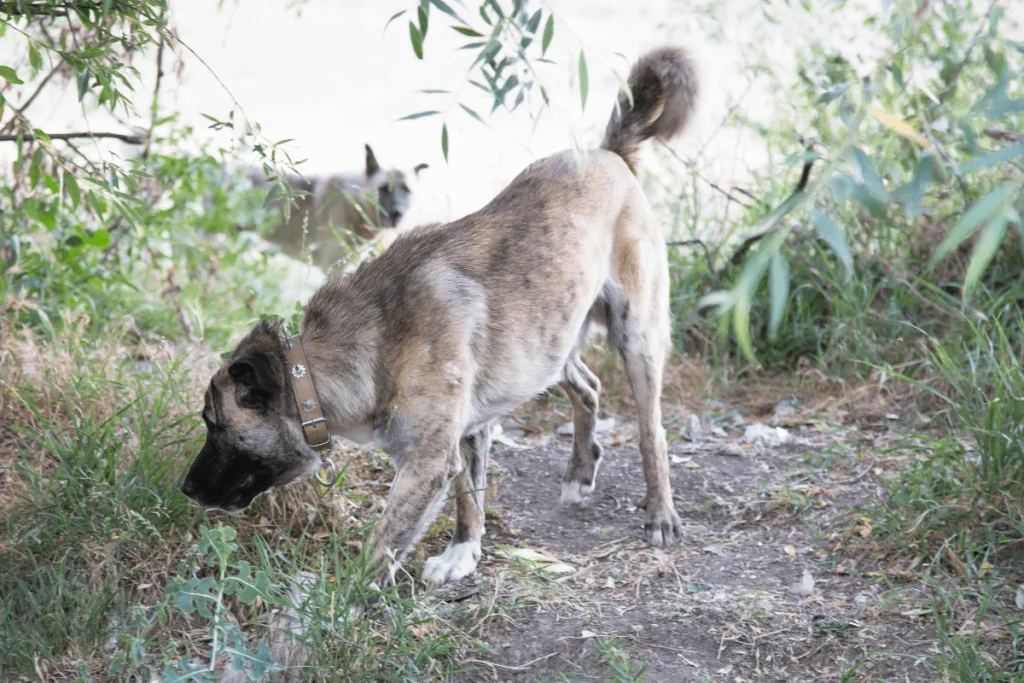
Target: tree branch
<point x="123" y="137"/>
<point x="20" y="111"/>
<point x="955" y="76"/>
<point x="46" y="9"/>
<point x="690" y="165"/>
<point x="745" y="246"/>
<point x="707" y="254"/>
<point x="155" y="105"/>
<point x="1002" y="135"/>
<point x="15" y="9"/>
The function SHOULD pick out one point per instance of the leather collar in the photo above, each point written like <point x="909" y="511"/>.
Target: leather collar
<point x="311" y="414"/>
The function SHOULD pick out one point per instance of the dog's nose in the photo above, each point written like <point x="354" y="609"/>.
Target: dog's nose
<point x="188" y="487"/>
<point x="395" y="217"/>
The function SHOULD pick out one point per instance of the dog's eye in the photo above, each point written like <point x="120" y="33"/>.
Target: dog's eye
<point x="403" y="187"/>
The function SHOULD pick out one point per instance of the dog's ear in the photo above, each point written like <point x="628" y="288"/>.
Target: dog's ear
<point x="371" y="163"/>
<point x="420" y="167"/>
<point x="257" y="380"/>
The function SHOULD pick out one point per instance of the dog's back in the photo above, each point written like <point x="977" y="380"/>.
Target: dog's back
<point x="553" y="247"/>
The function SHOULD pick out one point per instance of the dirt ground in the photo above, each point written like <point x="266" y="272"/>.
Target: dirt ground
<point x="769" y="584"/>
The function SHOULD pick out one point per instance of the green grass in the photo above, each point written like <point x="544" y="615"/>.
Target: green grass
<point x="98" y="541"/>
<point x="959" y="505"/>
<point x="88" y="525"/>
<point x="612" y="658"/>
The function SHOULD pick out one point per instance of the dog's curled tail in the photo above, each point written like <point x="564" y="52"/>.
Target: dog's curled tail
<point x="664" y="87"/>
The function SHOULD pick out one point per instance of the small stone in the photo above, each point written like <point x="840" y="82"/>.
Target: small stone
<point x="764" y="435"/>
<point x="693" y="429"/>
<point x="806" y="585"/>
<point x="784" y="409"/>
<point x="732" y="450"/>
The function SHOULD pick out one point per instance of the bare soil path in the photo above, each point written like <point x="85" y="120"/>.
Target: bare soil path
<point x="766" y="586"/>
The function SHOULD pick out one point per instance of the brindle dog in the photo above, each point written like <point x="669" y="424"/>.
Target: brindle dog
<point x="455" y="325"/>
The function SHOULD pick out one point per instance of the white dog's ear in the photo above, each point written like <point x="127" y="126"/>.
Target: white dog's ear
<point x="371" y="163"/>
<point x="420" y="167"/>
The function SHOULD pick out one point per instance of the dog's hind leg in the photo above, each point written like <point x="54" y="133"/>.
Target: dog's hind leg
<point x="583" y="389"/>
<point x="639" y="328"/>
<point x="461" y="556"/>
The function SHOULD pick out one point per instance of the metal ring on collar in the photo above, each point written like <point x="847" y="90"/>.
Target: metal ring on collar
<point x="333" y="473"/>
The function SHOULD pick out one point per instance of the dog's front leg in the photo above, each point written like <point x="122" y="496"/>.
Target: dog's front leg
<point x="461" y="556"/>
<point x="421" y="481"/>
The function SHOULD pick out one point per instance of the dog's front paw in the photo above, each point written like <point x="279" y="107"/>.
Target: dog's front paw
<point x="663" y="527"/>
<point x="458" y="560"/>
<point x="580" y="474"/>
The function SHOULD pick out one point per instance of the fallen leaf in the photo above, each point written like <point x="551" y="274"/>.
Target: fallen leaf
<point x="539" y="560"/>
<point x="1019" y="598"/>
<point x="587" y="634"/>
<point x="715" y="550"/>
<point x="727" y="669"/>
<point x="790" y="550"/>
<point x="985" y="568"/>
<point x="864" y="527"/>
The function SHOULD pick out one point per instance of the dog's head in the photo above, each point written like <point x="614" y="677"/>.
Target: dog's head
<point x="392" y="189"/>
<point x="253" y="438"/>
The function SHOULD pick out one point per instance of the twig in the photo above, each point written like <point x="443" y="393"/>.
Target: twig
<point x="967" y="56"/>
<point x="945" y="157"/>
<point x="87" y="160"/>
<point x="155" y="106"/>
<point x="20" y="111"/>
<point x="815" y="650"/>
<point x="857" y="477"/>
<point x="690" y="165"/>
<point x="805" y="175"/>
<point x="1002" y="135"/>
<point x="522" y="667"/>
<point x="747" y="193"/>
<point x="41" y="9"/>
<point x="745" y="245"/>
<point x="18" y="9"/>
<point x="707" y="253"/>
<point x="123" y="137"/>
